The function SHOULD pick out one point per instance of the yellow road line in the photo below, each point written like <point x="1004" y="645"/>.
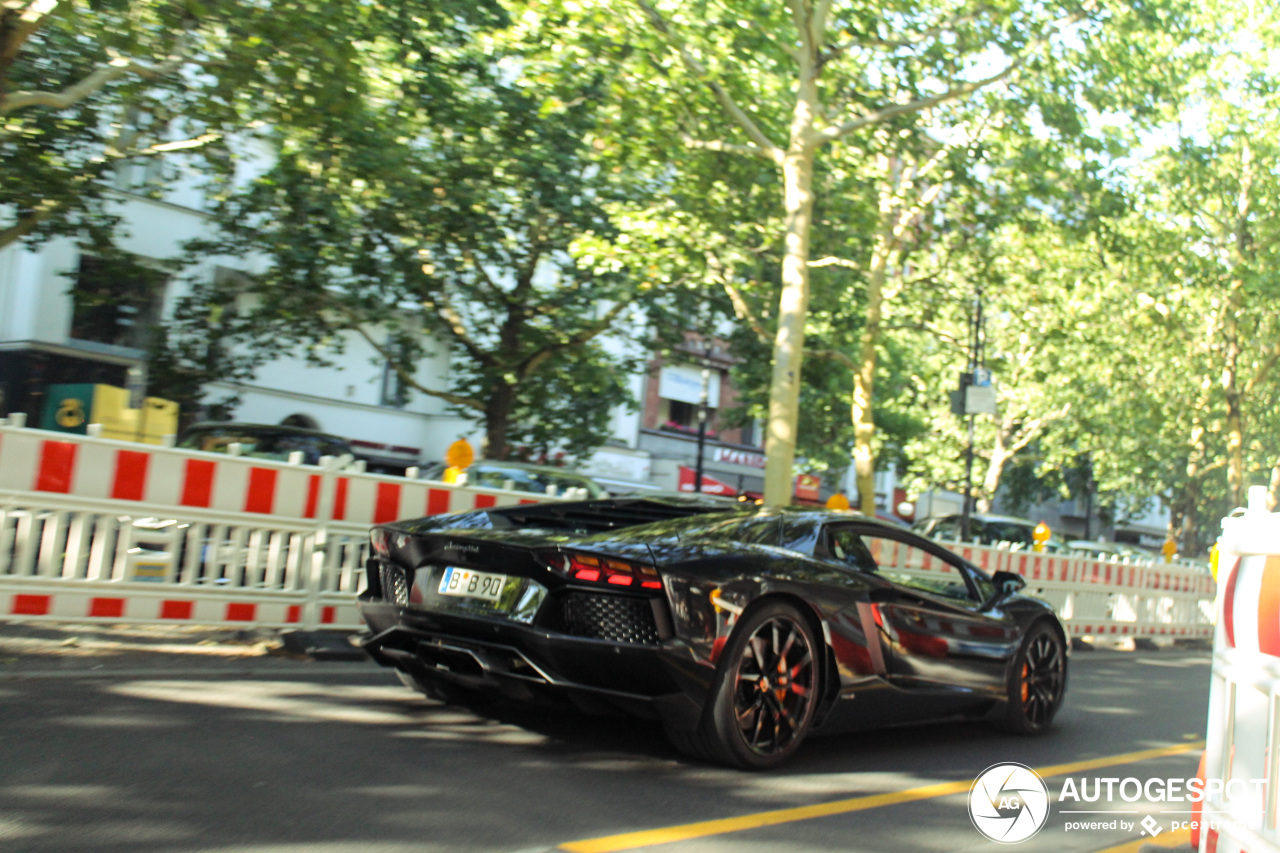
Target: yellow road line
<point x="702" y="829"/>
<point x="1176" y="838"/>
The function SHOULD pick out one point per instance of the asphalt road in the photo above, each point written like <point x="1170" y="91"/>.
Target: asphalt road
<point x="248" y="754"/>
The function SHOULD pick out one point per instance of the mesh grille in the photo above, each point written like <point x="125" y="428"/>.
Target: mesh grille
<point x="616" y="618"/>
<point x="395" y="587"/>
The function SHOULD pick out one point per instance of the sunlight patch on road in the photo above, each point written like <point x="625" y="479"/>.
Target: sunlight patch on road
<point x="62" y="793"/>
<point x="407" y="792"/>
<point x="12" y="829"/>
<point x="290" y="700"/>
<point x="1115" y="711"/>
<point x="1185" y="663"/>
<point x="119" y="721"/>
<point x="474" y="733"/>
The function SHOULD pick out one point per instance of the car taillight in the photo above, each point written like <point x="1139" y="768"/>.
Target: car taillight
<point x="379" y="539"/>
<point x="604" y="570"/>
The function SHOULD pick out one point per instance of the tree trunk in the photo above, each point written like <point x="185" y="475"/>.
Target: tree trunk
<point x="1244" y="254"/>
<point x="864" y="425"/>
<point x="1000" y="456"/>
<point x="1185" y="505"/>
<point x="497" y="421"/>
<point x="793" y="307"/>
<point x="1232" y="397"/>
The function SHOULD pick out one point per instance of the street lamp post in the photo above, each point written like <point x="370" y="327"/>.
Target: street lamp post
<point x="976" y="359"/>
<point x="702" y="419"/>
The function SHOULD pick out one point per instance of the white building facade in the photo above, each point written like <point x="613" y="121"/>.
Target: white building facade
<point x="51" y="333"/>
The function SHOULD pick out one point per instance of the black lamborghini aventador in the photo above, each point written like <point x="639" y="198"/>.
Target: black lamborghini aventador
<point x="742" y="631"/>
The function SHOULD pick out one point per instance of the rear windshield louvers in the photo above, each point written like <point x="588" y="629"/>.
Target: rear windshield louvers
<point x="600" y="516"/>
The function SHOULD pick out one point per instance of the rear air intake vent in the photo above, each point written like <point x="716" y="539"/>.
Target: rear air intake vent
<point x="395" y="587"/>
<point x="599" y="616"/>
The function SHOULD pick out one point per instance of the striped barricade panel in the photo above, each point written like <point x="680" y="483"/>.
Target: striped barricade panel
<point x="1242" y="761"/>
<point x="368" y="499"/>
<point x="39" y="462"/>
<point x="144" y="604"/>
<point x="101" y="469"/>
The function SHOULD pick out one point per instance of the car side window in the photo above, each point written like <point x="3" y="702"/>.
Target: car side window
<point x="947" y="528"/>
<point x="910" y="565"/>
<point x="1015" y="534"/>
<point x="219" y="443"/>
<point x="845" y="546"/>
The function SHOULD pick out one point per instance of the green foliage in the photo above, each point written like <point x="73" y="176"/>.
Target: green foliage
<point x="483" y="212"/>
<point x="510" y="181"/>
<point x="91" y="88"/>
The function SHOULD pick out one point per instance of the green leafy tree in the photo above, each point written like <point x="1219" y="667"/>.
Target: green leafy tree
<point x="484" y="214"/>
<point x="782" y="82"/>
<point x="90" y="87"/>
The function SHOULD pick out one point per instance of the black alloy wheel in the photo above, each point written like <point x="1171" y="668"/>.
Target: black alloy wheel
<point x="1038" y="681"/>
<point x="767" y="689"/>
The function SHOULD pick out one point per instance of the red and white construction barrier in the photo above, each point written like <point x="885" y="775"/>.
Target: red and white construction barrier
<point x="98" y="529"/>
<point x="173" y="606"/>
<point x="1241" y="766"/>
<point x="92" y="528"/>
<point x="99" y="469"/>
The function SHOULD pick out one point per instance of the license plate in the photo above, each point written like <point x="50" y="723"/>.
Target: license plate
<point x="472" y="584"/>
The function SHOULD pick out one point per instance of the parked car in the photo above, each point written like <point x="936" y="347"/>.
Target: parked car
<point x="742" y="630"/>
<point x="265" y="441"/>
<point x="521" y="477"/>
<point x="986" y="529"/>
<point x="1106" y="550"/>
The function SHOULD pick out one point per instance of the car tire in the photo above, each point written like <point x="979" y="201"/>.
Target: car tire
<point x="1037" y="681"/>
<point x="765" y="692"/>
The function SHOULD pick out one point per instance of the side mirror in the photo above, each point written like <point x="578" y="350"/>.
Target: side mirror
<point x="1007" y="583"/>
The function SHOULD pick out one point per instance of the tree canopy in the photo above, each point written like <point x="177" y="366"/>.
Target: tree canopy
<point x="550" y="189"/>
<point x="479" y="216"/>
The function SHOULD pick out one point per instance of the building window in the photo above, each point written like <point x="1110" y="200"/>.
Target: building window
<point x="681" y="416"/>
<point x="116" y="301"/>
<point x="393" y="390"/>
<point x="138" y="174"/>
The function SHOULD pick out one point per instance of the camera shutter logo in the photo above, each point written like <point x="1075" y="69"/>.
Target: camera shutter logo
<point x="1008" y="803"/>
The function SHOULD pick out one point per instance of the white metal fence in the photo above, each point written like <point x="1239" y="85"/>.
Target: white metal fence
<point x="98" y="529"/>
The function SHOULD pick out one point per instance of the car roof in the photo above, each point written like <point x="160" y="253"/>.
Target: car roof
<point x="238" y="426"/>
<point x="523" y="466"/>
<point x="1099" y="545"/>
<point x="986" y="516"/>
